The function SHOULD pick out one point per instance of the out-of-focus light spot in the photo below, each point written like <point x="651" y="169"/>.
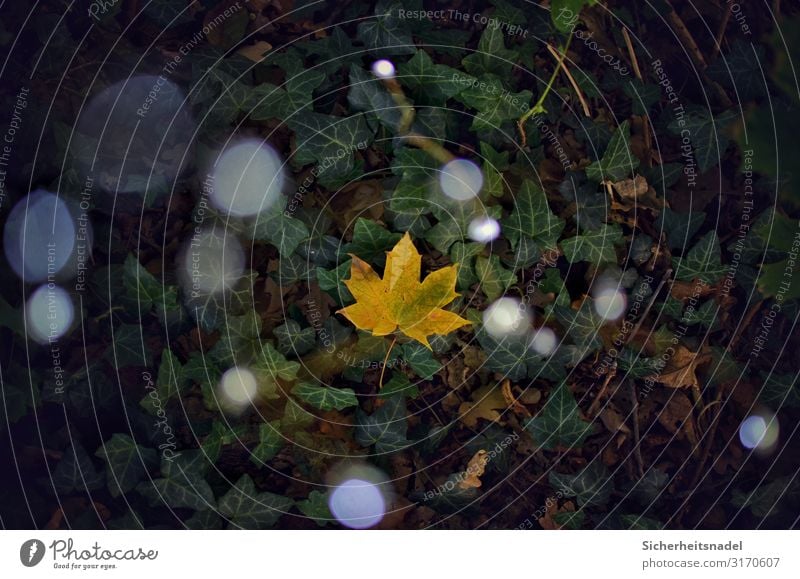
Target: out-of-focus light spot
<point x="759" y="432"/>
<point x="484" y="229"/>
<point x="461" y="179"/>
<point x="506" y="317"/>
<point x="138" y="132"/>
<point x="48" y="313"/>
<point x="383" y="68"/>
<point x="213" y="263"/>
<point x="544" y="341"/>
<point x="238" y="388"/>
<point x="610" y="303"/>
<point x="39" y="237"/>
<point x="357" y="504"/>
<point x="248" y="179"/>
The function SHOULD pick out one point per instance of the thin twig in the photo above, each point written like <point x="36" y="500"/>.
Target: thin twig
<point x="726" y="16"/>
<point x="576" y="88"/>
<point x="634" y="61"/>
<point x="648" y="143"/>
<point x="637" y="451"/>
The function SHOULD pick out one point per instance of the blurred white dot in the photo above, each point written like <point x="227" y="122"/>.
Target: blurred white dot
<point x="610" y="303"/>
<point x="461" y="179"/>
<point x="238" y="387"/>
<point x="213" y="263"/>
<point x="48" y="313"/>
<point x="383" y="68"/>
<point x="39" y="237"/>
<point x="484" y="229"/>
<point x="506" y="317"/>
<point x="248" y="179"/>
<point x="136" y="133"/>
<point x="357" y="504"/>
<point x="544" y="341"/>
<point x="759" y="432"/>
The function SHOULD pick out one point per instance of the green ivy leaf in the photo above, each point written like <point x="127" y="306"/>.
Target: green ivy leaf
<point x="386" y="35"/>
<point x="270" y="368"/>
<point x="325" y="397"/>
<point x="284" y="232"/>
<point x="126" y="461"/>
<point x="773" y="281"/>
<point x="564" y="13"/>
<point x="707" y="134"/>
<point x="492" y="57"/>
<point x="763" y="500"/>
<point x="76" y="472"/>
<point x="270" y="443"/>
<point x="329" y="141"/>
<point x="140" y="285"/>
<point x="399" y="385"/>
<point x="385" y="428"/>
<point x="294" y="340"/>
<point x="493" y="278"/>
<point x="596" y="246"/>
<point x="421" y="360"/>
<point x="591" y="487"/>
<point x="431" y="84"/>
<point x="703" y="261"/>
<point x="128" y="348"/>
<point x="679" y="227"/>
<point x="494" y="103"/>
<point x="292" y="100"/>
<point x="248" y="509"/>
<point x="371" y="241"/>
<point x="740" y="70"/>
<point x="367" y="93"/>
<point x="316" y="507"/>
<point x="532" y="218"/>
<point x="780" y="391"/>
<point x="618" y="161"/>
<point x="559" y="423"/>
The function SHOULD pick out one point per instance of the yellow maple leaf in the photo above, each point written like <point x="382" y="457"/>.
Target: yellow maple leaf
<point x="399" y="300"/>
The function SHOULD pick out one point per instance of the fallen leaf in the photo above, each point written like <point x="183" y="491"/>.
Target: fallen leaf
<point x="256" y="52"/>
<point x="613" y="421"/>
<point x="683" y="290"/>
<point x="511" y="401"/>
<point x="475" y="469"/>
<point x="631" y="188"/>
<point x="399" y="300"/>
<point x="677" y="416"/>
<point x="484" y="403"/>
<point x="680" y="371"/>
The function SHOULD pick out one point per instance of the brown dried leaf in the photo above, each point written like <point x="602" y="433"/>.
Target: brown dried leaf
<point x="680" y="371"/>
<point x="475" y="469"/>
<point x="255" y="52"/>
<point x="631" y="188"/>
<point x="484" y="403"/>
<point x="677" y="416"/>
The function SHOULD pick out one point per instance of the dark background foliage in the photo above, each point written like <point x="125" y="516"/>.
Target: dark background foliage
<point x="118" y="423"/>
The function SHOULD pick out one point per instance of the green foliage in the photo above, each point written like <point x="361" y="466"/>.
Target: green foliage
<point x="385" y="428"/>
<point x="559" y="422"/>
<point x="245" y="508"/>
<point x="618" y="161"/>
<point x="127" y="462"/>
<point x="702" y="262"/>
<point x="592" y="486"/>
<point x="325" y="397"/>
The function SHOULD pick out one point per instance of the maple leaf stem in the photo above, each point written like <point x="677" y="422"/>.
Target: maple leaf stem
<point x="386" y="361"/>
